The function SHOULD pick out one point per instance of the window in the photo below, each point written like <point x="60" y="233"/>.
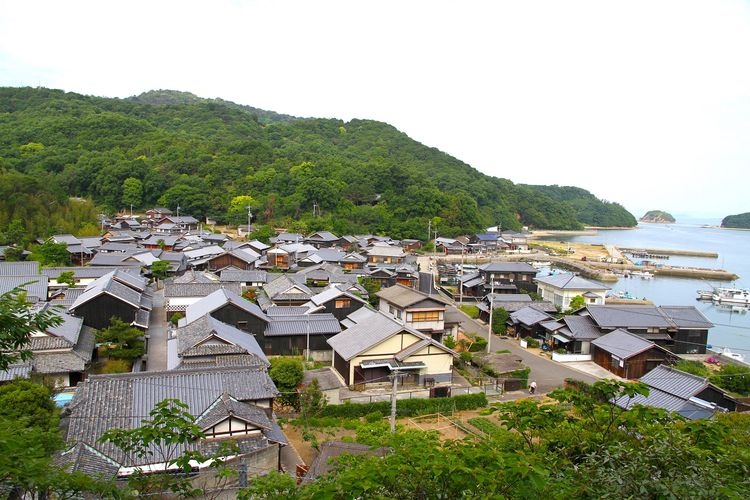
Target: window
<point x="425" y="316"/>
<point x="242" y="325"/>
<point x="342" y="303"/>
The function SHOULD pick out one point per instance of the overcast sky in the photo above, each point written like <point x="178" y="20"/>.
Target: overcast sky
<point x="643" y="103"/>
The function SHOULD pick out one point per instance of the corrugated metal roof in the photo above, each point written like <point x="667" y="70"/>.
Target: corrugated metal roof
<point x="403" y="296"/>
<point x="627" y="316"/>
<point x="674" y="381"/>
<point x="529" y="316"/>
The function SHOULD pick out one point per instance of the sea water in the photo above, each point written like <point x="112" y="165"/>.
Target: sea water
<point x="731" y="324"/>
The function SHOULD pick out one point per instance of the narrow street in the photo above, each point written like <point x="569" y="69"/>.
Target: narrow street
<point x="548" y="374"/>
<point x="157" y="332"/>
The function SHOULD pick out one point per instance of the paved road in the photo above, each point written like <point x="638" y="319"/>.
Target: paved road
<point x="547" y="373"/>
<point x="157" y="331"/>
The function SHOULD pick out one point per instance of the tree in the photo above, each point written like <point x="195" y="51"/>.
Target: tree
<point x="238" y="207"/>
<point x="576" y="303"/>
<point x="499" y="318"/>
<point x="132" y="192"/>
<point x="287" y="374"/>
<point x="170" y="426"/>
<point x="373" y="287"/>
<point x="311" y="400"/>
<point x="692" y="367"/>
<point x="51" y="254"/>
<point x="125" y="341"/>
<point x="68" y="278"/>
<point x="733" y="378"/>
<point x="17" y="323"/>
<point x="160" y="269"/>
<point x="262" y="234"/>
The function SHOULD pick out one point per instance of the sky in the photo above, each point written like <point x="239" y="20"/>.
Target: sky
<point x="646" y="103"/>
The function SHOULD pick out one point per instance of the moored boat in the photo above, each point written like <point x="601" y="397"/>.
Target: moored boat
<point x="731" y="296"/>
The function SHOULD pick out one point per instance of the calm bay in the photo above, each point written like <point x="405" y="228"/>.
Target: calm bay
<point x="732" y="325"/>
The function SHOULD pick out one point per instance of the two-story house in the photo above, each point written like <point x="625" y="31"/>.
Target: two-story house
<point x="417" y="310"/>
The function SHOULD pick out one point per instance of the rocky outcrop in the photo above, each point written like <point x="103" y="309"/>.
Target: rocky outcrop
<point x="658" y="216"/>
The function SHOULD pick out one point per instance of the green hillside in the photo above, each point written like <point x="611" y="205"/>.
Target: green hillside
<point x="168" y="148"/>
<point x="739" y="221"/>
<point x="657" y="216"/>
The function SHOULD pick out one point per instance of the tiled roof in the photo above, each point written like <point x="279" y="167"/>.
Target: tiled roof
<point x="330" y="293"/>
<point x="687" y="317"/>
<point x="508" y="267"/>
<point x="283" y="284"/>
<point x="323" y="464"/>
<point x="404" y="296"/>
<point x="622" y="343"/>
<point x="84" y="272"/>
<point x="581" y="327"/>
<point x="72" y="360"/>
<point x="35" y="286"/>
<point x="30" y="268"/>
<point x="18" y="370"/>
<point x="676" y="382"/>
<point x="570" y="281"/>
<point x="244" y="276"/>
<point x="529" y="316"/>
<point x="315" y="324"/>
<point x="105" y="402"/>
<point x="218" y="299"/>
<point x="275" y="311"/>
<point x="627" y="316"/>
<point x="192" y="340"/>
<point x="197" y="289"/>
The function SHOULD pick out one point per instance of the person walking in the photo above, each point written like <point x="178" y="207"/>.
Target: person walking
<point x="532" y="387"/>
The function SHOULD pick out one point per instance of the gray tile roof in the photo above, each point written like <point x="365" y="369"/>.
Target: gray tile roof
<point x="199" y="338"/>
<point x="623" y="344"/>
<point x="84" y="458"/>
<point x="362" y="336"/>
<point x="582" y="328"/>
<point x="315" y="324"/>
<point x="36" y="286"/>
<point x="108" y="285"/>
<point x="18" y="370"/>
<point x="570" y="281"/>
<point x="323" y="463"/>
<point x="283" y="285"/>
<point x="508" y="267"/>
<point x="219" y="299"/>
<point x="241" y="276"/>
<point x="76" y="359"/>
<point x="687" y="317"/>
<point x="529" y="316"/>
<point x="192" y="276"/>
<point x="30" y="268"/>
<point x="676" y="382"/>
<point x="197" y="289"/>
<point x="104" y="402"/>
<point x="113" y="260"/>
<point x="403" y="296"/>
<point x="627" y="316"/>
<point x="85" y="272"/>
<point x="276" y="311"/>
<point x="332" y="293"/>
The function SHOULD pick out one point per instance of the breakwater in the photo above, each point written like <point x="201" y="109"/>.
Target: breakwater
<point x="662" y="251"/>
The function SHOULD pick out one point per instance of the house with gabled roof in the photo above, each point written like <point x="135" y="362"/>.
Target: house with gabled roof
<point x="241" y="259"/>
<point x="323" y="239"/>
<point x="572" y="333"/>
<point x="120" y="294"/>
<point x="61" y="354"/>
<point x="227" y="403"/>
<point x="681" y="329"/>
<point x="246" y="279"/>
<point x="335" y="301"/>
<point x="511" y="302"/>
<point x="230" y="308"/>
<point x="353" y="260"/>
<point x="178" y="296"/>
<point x="369" y="352"/>
<point x="688" y="395"/>
<point x="628" y="355"/>
<point x="561" y="288"/>
<point x="385" y="255"/>
<point x="82" y="276"/>
<point x="526" y="322"/>
<point x="508" y="277"/>
<point x="288" y="334"/>
<point x="414" y="309"/>
<point x="285" y="238"/>
<point x="257" y="246"/>
<point x="284" y="291"/>
<point x="208" y="342"/>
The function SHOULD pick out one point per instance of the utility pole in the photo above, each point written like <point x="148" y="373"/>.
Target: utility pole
<point x="461" y="281"/>
<point x="249" y="219"/>
<point x="307" y="354"/>
<point x="429" y="230"/>
<point x="492" y="308"/>
<point x="394" y="376"/>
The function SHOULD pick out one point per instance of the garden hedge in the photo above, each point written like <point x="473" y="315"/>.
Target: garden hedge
<point x="407" y="407"/>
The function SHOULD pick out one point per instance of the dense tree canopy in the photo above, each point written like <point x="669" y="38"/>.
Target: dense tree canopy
<point x="169" y="148"/>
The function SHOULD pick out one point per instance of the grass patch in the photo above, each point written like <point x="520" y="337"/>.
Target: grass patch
<point x="472" y="311"/>
<point x="487" y="426"/>
<point x="111" y="365"/>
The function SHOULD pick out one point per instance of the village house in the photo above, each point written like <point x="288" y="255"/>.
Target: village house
<point x="323" y="239"/>
<point x="289" y="334"/>
<point x="409" y="307"/>
<point x="688" y="395"/>
<point x="369" y="352"/>
<point x="508" y="277"/>
<point x="119" y="294"/>
<point x="229" y="308"/>
<point x="208" y="342"/>
<point x="384" y="255"/>
<point x="628" y="355"/>
<point x="560" y="289"/>
<point x="178" y="296"/>
<point x="335" y="301"/>
<point x="227" y="403"/>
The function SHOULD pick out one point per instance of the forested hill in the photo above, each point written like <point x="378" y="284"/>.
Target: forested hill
<point x="168" y="148"/>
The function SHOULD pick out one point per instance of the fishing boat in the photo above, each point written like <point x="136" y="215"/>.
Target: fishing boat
<point x="646" y="275"/>
<point x="705" y="294"/>
<point x="731" y="296"/>
<point x="541" y="264"/>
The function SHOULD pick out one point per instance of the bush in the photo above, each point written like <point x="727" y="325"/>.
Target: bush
<point x="449" y="342"/>
<point x="407" y="407"/>
<point x="478" y="345"/>
<point x="733" y="378"/>
<point x="692" y="367"/>
<point x="522" y="375"/>
<point x="531" y="342"/>
<point x="465" y="357"/>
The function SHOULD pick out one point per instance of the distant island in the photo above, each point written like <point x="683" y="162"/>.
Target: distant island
<point x="658" y="216"/>
<point x="739" y="221"/>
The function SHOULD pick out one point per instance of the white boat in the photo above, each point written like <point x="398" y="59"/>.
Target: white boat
<point x="731" y="296"/>
<point x="734" y="355"/>
<point x="540" y="264"/>
<point x="646" y="275"/>
<point x="705" y="294"/>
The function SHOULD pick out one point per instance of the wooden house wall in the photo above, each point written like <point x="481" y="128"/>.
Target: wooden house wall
<point x="233" y="315"/>
<point x="633" y="367"/>
<point x="343" y="312"/>
<point x="289" y="345"/>
<point x="341" y="366"/>
<point x="226" y="260"/>
<point x="715" y="396"/>
<point x="690" y="342"/>
<point x="98" y="311"/>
